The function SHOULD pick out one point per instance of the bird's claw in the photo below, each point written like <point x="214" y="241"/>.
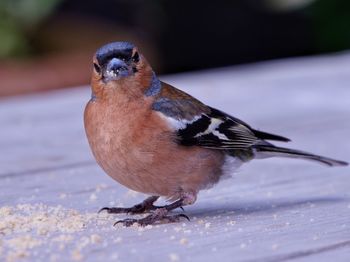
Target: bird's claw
<point x="184" y="216"/>
<point x="113" y="210"/>
<point x="104" y="209"/>
<point x="137" y="209"/>
<point x="151" y="219"/>
<point x="126" y="222"/>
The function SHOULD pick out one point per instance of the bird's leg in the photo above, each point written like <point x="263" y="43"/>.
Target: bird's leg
<point x="158" y="215"/>
<point x="144" y="207"/>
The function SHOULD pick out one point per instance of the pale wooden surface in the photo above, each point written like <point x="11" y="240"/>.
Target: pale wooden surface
<point x="272" y="210"/>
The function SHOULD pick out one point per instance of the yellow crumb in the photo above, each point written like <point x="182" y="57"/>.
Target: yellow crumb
<point x="183" y="241"/>
<point x="200" y="221"/>
<point x="76" y="255"/>
<point x="94" y="238"/>
<point x="27" y="226"/>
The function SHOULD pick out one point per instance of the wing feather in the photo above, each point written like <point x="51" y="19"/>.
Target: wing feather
<point x="199" y="125"/>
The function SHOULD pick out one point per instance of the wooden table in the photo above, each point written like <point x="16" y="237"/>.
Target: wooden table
<point x="272" y="210"/>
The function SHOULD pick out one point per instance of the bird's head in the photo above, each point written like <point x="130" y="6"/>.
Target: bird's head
<point x="119" y="64"/>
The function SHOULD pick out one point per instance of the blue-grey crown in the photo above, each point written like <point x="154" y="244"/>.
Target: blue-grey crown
<point x="115" y="49"/>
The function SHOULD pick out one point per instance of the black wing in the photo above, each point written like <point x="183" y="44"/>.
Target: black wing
<point x="199" y="125"/>
<point x="218" y="130"/>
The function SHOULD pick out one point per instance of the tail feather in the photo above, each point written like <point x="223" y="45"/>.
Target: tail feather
<point x="270" y="150"/>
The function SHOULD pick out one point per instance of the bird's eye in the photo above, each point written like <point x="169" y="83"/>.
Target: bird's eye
<point x="136" y="57"/>
<point x="97" y="68"/>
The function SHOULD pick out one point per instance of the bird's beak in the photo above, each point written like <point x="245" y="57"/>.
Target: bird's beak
<point x="115" y="69"/>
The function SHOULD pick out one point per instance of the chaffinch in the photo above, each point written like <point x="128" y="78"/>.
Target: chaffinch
<point x="154" y="138"/>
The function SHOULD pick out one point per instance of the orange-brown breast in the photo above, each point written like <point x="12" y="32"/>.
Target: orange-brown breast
<point x="137" y="148"/>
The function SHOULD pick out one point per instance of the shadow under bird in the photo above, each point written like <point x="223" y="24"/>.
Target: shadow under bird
<point x="154" y="138"/>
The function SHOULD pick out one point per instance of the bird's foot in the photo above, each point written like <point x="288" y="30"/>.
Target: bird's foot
<point x="158" y="216"/>
<point x="144" y="207"/>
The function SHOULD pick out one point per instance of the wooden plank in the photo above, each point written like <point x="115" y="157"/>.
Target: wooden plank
<point x="272" y="210"/>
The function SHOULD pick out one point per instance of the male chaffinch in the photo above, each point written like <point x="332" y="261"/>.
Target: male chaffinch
<point x="158" y="140"/>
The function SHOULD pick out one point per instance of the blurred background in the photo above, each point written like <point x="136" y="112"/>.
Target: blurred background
<point x="48" y="44"/>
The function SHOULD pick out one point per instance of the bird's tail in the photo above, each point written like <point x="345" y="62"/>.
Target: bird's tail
<point x="271" y="150"/>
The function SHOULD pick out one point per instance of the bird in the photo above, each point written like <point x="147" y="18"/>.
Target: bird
<point x="158" y="140"/>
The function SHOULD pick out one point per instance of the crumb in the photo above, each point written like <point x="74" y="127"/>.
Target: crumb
<point x="200" y="221"/>
<point x="242" y="246"/>
<point x="148" y="227"/>
<point x="48" y="225"/>
<point x="177" y="229"/>
<point x="83" y="242"/>
<point x="23" y="242"/>
<point x="6" y="211"/>
<point x="183" y="241"/>
<point x="274" y="246"/>
<point x="207" y="225"/>
<point x="102" y="215"/>
<point x="43" y="231"/>
<point x="94" y="238"/>
<point x="93" y="197"/>
<point x="53" y="258"/>
<point x="16" y="255"/>
<point x="114" y="256"/>
<point x="231" y="223"/>
<point x="118" y="240"/>
<point x="76" y="255"/>
<point x="100" y="186"/>
<point x="61" y="246"/>
<point x="140" y="229"/>
<point x="173" y="257"/>
<point x="63" y="196"/>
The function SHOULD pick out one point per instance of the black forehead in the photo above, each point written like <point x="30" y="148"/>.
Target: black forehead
<point x="116" y="49"/>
